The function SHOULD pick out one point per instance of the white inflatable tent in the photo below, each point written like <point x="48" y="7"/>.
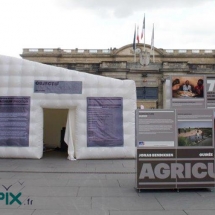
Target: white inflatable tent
<point x="28" y="88"/>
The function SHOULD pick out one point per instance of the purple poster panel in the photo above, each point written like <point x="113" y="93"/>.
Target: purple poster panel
<point x="58" y="87"/>
<point x="104" y="121"/>
<point x="14" y="121"/>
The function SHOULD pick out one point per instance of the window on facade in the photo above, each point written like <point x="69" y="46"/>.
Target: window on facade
<point x="147" y="92"/>
<point x="71" y="66"/>
<point x="193" y="66"/>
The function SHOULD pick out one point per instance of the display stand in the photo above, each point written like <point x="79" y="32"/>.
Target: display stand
<point x="162" y="161"/>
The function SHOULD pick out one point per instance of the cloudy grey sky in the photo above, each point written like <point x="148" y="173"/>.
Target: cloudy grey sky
<point x="101" y="24"/>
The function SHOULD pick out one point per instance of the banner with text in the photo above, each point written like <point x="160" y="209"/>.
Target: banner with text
<point x="104" y="121"/>
<point x="14" y="121"/>
<point x="58" y="87"/>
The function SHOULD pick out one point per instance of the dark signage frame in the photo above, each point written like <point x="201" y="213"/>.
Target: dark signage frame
<point x="175" y="167"/>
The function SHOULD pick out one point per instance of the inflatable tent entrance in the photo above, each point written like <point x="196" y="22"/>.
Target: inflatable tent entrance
<point x="101" y="111"/>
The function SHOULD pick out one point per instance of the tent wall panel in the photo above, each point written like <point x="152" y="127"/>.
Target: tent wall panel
<point x="18" y="78"/>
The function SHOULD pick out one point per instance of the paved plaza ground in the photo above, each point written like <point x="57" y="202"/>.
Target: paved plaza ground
<point x="55" y="185"/>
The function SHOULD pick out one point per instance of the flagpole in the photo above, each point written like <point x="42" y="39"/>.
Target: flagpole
<point x="153" y="44"/>
<point x="134" y="56"/>
<point x="134" y="43"/>
<point x="144" y="33"/>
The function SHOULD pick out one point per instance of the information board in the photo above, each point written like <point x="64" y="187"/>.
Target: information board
<point x="14" y="121"/>
<point x="155" y="128"/>
<point x="104" y="121"/>
<point x="186" y="163"/>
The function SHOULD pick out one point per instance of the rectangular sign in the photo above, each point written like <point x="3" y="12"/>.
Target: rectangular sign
<point x="155" y="128"/>
<point x="189" y="163"/>
<point x="175" y="168"/>
<point x="14" y="121"/>
<point x="188" y="91"/>
<point x="58" y="87"/>
<point x="104" y="121"/>
<point x="184" y="92"/>
<point x="153" y="168"/>
<point x="210" y="87"/>
<point x="195" y="128"/>
<point x="195" y="168"/>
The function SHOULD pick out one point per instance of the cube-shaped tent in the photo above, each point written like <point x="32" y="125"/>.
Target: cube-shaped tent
<point x="100" y="117"/>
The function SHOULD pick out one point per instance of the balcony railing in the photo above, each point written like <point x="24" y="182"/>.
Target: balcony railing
<point x="111" y="51"/>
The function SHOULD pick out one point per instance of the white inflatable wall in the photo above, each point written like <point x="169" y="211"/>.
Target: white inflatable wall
<point x="17" y="79"/>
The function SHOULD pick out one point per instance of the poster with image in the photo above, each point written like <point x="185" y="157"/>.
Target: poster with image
<point x="195" y="128"/>
<point x="188" y="91"/>
<point x="187" y="164"/>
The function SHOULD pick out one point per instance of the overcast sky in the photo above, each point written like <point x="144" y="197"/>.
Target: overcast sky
<point x="102" y="24"/>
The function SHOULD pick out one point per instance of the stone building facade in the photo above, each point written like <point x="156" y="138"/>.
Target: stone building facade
<point x="149" y="69"/>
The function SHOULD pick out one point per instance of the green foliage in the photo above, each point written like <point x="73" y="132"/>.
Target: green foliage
<point x="183" y="141"/>
<point x="207" y="131"/>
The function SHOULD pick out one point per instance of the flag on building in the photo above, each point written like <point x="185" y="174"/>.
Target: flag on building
<point x="143" y="28"/>
<point x="152" y="44"/>
<point x="152" y="40"/>
<point x="134" y="40"/>
<point x="138" y="38"/>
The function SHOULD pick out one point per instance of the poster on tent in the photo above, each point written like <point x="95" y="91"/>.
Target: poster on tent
<point x="105" y="122"/>
<point x="14" y="121"/>
<point x="58" y="87"/>
<point x="187" y="91"/>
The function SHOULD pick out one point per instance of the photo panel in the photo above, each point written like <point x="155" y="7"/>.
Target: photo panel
<point x="187" y="91"/>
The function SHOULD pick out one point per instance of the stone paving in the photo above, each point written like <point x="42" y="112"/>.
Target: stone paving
<point x="55" y="185"/>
